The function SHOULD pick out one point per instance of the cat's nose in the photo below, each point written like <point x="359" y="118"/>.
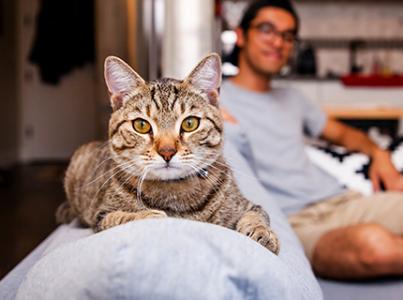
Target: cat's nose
<point x="167" y="153"/>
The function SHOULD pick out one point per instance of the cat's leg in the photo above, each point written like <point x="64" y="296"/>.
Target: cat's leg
<point x="120" y="217"/>
<point x="255" y="224"/>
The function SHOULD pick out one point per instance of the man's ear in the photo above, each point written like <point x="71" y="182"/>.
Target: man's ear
<point x="122" y="81"/>
<point x="240" y="37"/>
<point x="206" y="76"/>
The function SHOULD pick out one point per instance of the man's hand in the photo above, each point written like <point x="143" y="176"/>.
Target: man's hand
<point x="383" y="171"/>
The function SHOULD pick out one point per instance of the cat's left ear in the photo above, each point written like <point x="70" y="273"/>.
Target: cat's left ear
<point x="206" y="76"/>
<point x="122" y="81"/>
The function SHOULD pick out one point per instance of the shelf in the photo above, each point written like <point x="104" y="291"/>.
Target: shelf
<point x="297" y="77"/>
<point x="341" y="1"/>
<point x="358" y="42"/>
<point x="356" y="113"/>
<point x="329" y="1"/>
<point x="372" y="81"/>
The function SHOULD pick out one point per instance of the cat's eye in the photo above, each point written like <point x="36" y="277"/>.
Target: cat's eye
<point x="190" y="124"/>
<point x="141" y="126"/>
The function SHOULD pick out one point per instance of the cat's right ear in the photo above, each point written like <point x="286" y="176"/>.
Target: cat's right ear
<point x="122" y="81"/>
<point x="206" y="76"/>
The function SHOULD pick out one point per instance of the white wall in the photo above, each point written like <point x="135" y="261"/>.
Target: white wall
<point x="55" y="120"/>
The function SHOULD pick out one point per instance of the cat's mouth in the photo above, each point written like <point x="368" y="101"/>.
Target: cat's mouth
<point x="170" y="172"/>
<point x="168" y="166"/>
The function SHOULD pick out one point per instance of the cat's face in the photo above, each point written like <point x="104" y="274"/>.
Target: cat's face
<point x="166" y="129"/>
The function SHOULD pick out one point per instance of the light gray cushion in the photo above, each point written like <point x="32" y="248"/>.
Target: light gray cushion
<point x="175" y="259"/>
<point x="165" y="259"/>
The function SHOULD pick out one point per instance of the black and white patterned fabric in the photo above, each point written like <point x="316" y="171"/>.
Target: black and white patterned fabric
<point x="351" y="168"/>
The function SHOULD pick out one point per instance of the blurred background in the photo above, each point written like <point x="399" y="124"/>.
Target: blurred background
<point x="349" y="59"/>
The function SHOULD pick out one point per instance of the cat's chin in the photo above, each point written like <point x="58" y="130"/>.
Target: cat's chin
<point x="169" y="174"/>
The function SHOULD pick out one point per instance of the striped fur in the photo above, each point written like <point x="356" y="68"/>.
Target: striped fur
<point x="126" y="179"/>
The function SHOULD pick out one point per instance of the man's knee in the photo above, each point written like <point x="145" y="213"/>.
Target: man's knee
<point x="365" y="247"/>
<point x="375" y="246"/>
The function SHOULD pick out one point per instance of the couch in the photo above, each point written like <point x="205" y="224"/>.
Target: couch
<point x="181" y="259"/>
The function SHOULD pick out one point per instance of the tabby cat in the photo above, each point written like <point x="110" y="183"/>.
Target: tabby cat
<point x="163" y="158"/>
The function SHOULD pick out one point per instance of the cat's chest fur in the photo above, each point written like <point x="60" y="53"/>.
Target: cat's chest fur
<point x="181" y="197"/>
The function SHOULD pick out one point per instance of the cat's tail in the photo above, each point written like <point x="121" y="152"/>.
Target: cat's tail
<point x="64" y="213"/>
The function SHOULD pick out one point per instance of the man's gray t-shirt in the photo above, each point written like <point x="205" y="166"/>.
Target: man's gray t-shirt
<point x="275" y="123"/>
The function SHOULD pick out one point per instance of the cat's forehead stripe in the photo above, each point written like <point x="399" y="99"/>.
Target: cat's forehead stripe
<point x="175" y="96"/>
<point x="183" y="107"/>
<point x="152" y="91"/>
<point x="148" y="110"/>
<point x="166" y="92"/>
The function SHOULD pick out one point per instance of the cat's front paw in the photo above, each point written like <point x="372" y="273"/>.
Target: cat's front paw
<point x="263" y="235"/>
<point x="121" y="217"/>
<point x="154" y="213"/>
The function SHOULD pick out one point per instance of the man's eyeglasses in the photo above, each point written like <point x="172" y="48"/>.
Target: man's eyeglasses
<point x="270" y="31"/>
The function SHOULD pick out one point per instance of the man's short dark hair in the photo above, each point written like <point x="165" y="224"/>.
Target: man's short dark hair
<point x="250" y="14"/>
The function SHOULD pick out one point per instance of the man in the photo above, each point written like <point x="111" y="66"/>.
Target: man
<point x="345" y="235"/>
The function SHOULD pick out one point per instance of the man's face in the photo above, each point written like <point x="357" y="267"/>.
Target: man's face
<point x="269" y="41"/>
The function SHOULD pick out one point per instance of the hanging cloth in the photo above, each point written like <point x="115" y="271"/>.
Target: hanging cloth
<point x="64" y="38"/>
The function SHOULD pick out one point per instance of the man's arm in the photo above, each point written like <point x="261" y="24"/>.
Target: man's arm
<point x="382" y="169"/>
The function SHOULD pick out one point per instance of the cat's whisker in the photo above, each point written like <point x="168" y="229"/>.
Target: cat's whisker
<point x="103" y="144"/>
<point x="128" y="178"/>
<point x="99" y="165"/>
<point x="194" y="175"/>
<point x="212" y="164"/>
<point x="113" y="175"/>
<point x="235" y="169"/>
<point x="202" y="165"/>
<point x="212" y="179"/>
<point x="140" y="182"/>
<point x="109" y="171"/>
<point x="216" y="187"/>
<point x="121" y="185"/>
